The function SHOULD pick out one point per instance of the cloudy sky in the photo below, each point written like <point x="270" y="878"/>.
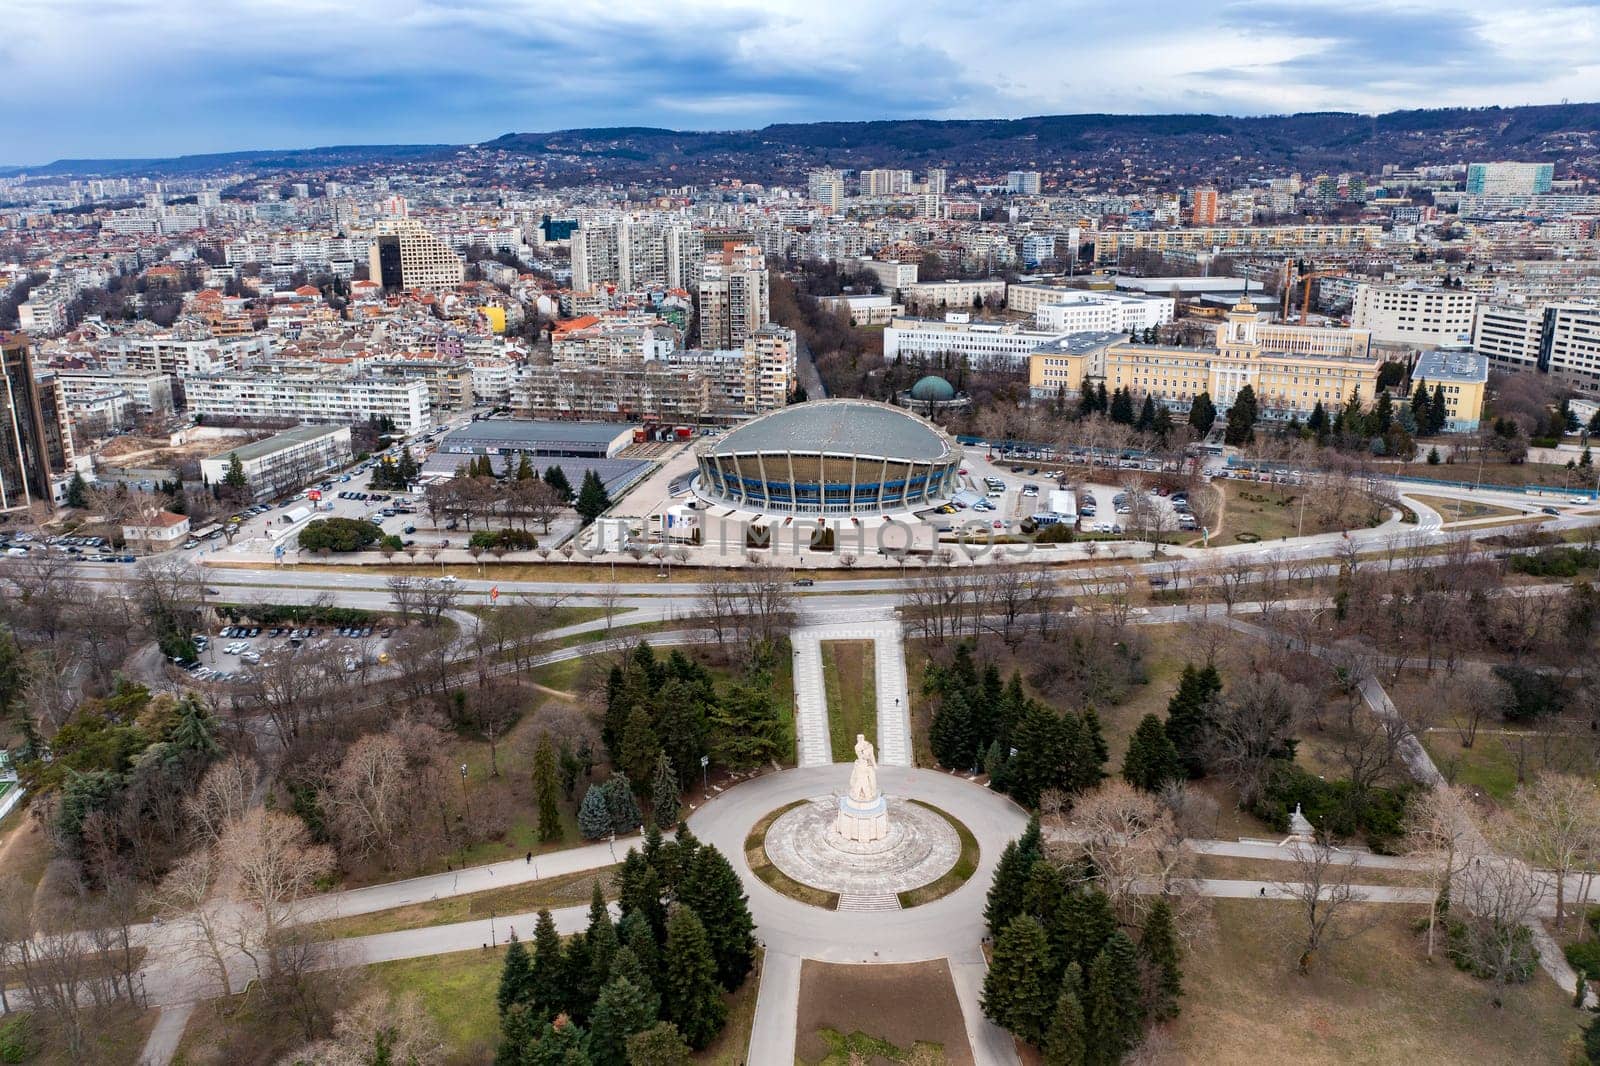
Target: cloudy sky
<point x="163" y="77"/>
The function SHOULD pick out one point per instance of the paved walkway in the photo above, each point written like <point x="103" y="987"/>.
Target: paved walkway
<point x="162" y="1043"/>
<point x="812" y="744"/>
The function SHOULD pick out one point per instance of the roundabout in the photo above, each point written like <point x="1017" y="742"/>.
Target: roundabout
<point x="932" y="931"/>
<point x="918" y="847"/>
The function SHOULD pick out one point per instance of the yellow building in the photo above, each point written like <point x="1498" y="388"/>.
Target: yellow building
<point x="1462" y="375"/>
<point x="1290" y="368"/>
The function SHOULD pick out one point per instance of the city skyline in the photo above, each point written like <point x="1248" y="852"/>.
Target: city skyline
<point x="135" y="81"/>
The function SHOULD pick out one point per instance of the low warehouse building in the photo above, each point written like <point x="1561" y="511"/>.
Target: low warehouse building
<point x="284" y="461"/>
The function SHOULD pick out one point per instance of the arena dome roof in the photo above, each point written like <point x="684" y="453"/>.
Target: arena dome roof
<point x="841" y="427"/>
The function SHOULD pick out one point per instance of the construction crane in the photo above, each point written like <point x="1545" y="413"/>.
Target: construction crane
<point x="1303" y="275"/>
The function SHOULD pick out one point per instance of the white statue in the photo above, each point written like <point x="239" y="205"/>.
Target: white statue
<point x="864" y="778"/>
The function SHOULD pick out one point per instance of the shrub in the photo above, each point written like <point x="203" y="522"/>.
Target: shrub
<point x="1584" y="956"/>
<point x="1526" y="694"/>
<point x="1055" y="533"/>
<point x="509" y="539"/>
<point x="1377" y="814"/>
<point x="271" y="614"/>
<point x="16" y="1038"/>
<point x="339" y="535"/>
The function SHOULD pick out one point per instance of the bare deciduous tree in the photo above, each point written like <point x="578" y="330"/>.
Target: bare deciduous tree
<point x="1441" y="833"/>
<point x="1323" y="891"/>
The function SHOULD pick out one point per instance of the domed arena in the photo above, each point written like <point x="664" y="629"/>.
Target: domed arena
<point x="831" y="457"/>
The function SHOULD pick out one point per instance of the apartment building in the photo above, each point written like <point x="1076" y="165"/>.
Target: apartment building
<point x="35" y="435"/>
<point x="406" y="256"/>
<point x="893" y="277"/>
<point x="284" y="461"/>
<point x="864" y="310"/>
<point x="311" y="399"/>
<point x="635" y="255"/>
<point x="1414" y="314"/>
<point x="149" y="391"/>
<point x="1110" y="244"/>
<point x="933" y="295"/>
<point x="667" y="393"/>
<point x="1203" y="206"/>
<point x="733" y="295"/>
<point x="1509" y="178"/>
<point x="825" y="188"/>
<point x="885" y="182"/>
<point x="1023" y="182"/>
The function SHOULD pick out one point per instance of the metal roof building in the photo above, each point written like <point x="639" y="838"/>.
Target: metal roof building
<point x="497" y="436"/>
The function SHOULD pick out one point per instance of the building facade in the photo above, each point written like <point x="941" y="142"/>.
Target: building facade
<point x="284" y="461"/>
<point x="35" y="439"/>
<point x="261" y="397"/>
<point x="1414" y="314"/>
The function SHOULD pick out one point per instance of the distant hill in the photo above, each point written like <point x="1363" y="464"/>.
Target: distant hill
<point x="1177" y="143"/>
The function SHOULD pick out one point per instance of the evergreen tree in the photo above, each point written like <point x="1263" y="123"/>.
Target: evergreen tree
<point x="1439" y="411"/>
<point x="951" y="734"/>
<point x="681" y="722"/>
<point x="1158" y="949"/>
<point x="77" y="491"/>
<point x="525" y="471"/>
<point x="1088" y="772"/>
<point x="515" y="977"/>
<point x="556" y="478"/>
<point x="1383" y="413"/>
<point x="1016" y="991"/>
<point x="1102" y="1015"/>
<point x="1087" y="923"/>
<point x="714" y="892"/>
<point x="546" y="975"/>
<point x="1147" y="414"/>
<point x="1191" y="716"/>
<point x="1433" y="456"/>
<point x="1122" y="407"/>
<point x="1151" y="760"/>
<point x="519" y="1031"/>
<point x="620" y="1011"/>
<point x="639" y="891"/>
<point x="577" y="978"/>
<point x="1163" y="425"/>
<point x="691" y="997"/>
<point x="1318" y="422"/>
<point x="195" y="732"/>
<point x="561" y="1043"/>
<point x="1202" y="413"/>
<point x="640" y="748"/>
<point x="664" y="793"/>
<point x="594" y="813"/>
<point x="1066" y="1044"/>
<point x="1011" y="876"/>
<point x="1241" y="418"/>
<point x="1101" y="403"/>
<point x="601" y="936"/>
<point x="659" y="1045"/>
<point x="1421" y="409"/>
<point x="639" y="940"/>
<point x="544" y="789"/>
<point x="593" y="500"/>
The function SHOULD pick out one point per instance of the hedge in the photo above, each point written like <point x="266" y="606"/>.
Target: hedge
<point x="339" y="535"/>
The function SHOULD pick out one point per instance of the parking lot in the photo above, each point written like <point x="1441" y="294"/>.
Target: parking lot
<point x="234" y="653"/>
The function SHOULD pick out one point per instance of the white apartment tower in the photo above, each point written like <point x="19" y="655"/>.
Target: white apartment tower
<point x="826" y="190"/>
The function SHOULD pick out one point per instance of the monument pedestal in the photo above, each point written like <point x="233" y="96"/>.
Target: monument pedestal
<point x="863" y="823"/>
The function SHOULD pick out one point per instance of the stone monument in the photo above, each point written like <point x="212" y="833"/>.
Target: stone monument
<point x="863" y="811"/>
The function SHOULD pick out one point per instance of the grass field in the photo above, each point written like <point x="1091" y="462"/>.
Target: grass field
<point x="568" y="890"/>
<point x="956" y="876"/>
<point x="1548" y="474"/>
<point x="849" y="680"/>
<point x="458" y="992"/>
<point x="1372" y="999"/>
<point x="1269" y="512"/>
<point x="733" y="1043"/>
<point x="755" y="853"/>
<point x="1464" y="510"/>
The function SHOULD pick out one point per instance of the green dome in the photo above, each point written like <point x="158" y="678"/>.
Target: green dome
<point x="933" y="389"/>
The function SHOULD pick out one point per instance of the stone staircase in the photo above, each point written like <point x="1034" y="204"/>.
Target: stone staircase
<point x="813" y="747"/>
<point x="883" y="902"/>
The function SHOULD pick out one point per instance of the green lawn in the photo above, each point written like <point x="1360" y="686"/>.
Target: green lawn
<point x="568" y="890"/>
<point x="957" y="875"/>
<point x="458" y="992"/>
<point x="1488" y="765"/>
<point x="852" y="691"/>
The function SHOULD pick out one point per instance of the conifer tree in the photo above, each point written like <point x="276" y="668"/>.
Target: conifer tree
<point x="1011" y="874"/>
<point x="640" y="747"/>
<point x="714" y="892"/>
<point x="620" y="1011"/>
<point x="664" y="793"/>
<point x="1151" y="760"/>
<point x="594" y="813"/>
<point x="577" y="978"/>
<point x="691" y="997"/>
<point x="1241" y="418"/>
<point x="636" y="935"/>
<point x="545" y="784"/>
<point x="659" y="1045"/>
<point x="1065" y="1044"/>
<point x="546" y="973"/>
<point x="1016" y="991"/>
<point x="556" y="478"/>
<point x="515" y="977"/>
<point x="951" y="733"/>
<point x="601" y="936"/>
<point x="1191" y="716"/>
<point x="561" y="1043"/>
<point x="1202" y="413"/>
<point x="1158" y="948"/>
<point x="626" y="964"/>
<point x="1438" y="411"/>
<point x="1147" y="414"/>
